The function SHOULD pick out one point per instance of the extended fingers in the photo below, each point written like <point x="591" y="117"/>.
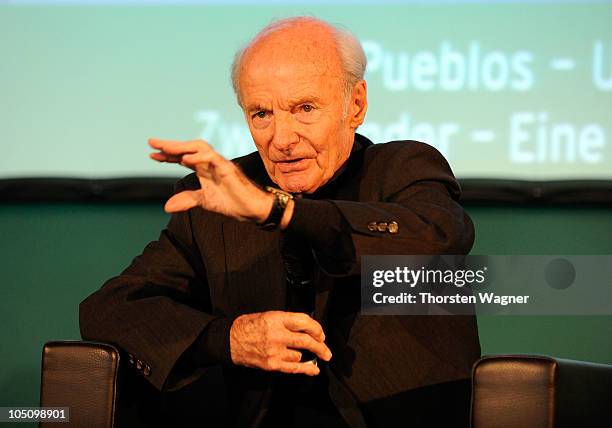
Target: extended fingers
<point x="171" y="147"/>
<point x="197" y="155"/>
<point x="183" y="201"/>
<point x="297" y="321"/>
<point x="306" y="342"/>
<point x="292" y="356"/>
<point x="162" y="157"/>
<point x="297" y="368"/>
<point x="193" y="159"/>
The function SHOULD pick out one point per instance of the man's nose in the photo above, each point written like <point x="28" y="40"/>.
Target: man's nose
<point x="285" y="135"/>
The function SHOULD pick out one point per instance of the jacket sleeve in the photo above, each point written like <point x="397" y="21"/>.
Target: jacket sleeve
<point x="407" y="205"/>
<point x="158" y="309"/>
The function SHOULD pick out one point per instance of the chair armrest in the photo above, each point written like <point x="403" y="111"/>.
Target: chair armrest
<point x="535" y="391"/>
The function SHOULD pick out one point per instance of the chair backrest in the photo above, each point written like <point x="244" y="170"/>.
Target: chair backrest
<point x="84" y="377"/>
<point x="102" y="390"/>
<point x="538" y="391"/>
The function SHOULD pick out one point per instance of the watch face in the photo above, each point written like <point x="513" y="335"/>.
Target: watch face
<point x="283" y="199"/>
<point x="282" y="196"/>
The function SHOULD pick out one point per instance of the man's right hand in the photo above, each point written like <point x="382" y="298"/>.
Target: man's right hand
<point x="272" y="341"/>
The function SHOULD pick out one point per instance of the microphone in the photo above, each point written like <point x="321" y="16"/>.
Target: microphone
<point x="299" y="267"/>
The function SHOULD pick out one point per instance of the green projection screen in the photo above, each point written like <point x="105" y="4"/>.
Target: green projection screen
<point x="518" y="90"/>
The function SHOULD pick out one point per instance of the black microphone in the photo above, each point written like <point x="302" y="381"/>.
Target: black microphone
<point x="299" y="267"/>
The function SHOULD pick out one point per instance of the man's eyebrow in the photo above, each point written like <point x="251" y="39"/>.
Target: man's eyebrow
<point x="256" y="107"/>
<point x="305" y="99"/>
<point x="292" y="101"/>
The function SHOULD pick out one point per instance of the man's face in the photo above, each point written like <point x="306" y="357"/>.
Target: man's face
<point x="291" y="93"/>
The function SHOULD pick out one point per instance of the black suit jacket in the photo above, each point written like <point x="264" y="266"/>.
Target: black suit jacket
<point x="182" y="293"/>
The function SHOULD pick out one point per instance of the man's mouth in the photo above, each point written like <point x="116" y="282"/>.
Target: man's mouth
<point x="297" y="164"/>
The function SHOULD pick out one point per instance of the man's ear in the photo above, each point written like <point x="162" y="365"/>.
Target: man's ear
<point x="359" y="104"/>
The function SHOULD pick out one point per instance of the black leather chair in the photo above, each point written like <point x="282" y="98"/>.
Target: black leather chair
<point x="508" y="391"/>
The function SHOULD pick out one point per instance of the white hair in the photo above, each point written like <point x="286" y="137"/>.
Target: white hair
<point x="352" y="56"/>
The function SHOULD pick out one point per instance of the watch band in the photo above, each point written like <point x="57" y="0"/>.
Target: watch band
<point x="281" y="199"/>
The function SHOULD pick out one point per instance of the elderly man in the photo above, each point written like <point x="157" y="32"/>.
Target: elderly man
<point x="258" y="269"/>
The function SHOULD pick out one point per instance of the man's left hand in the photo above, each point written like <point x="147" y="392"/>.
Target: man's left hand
<point x="224" y="187"/>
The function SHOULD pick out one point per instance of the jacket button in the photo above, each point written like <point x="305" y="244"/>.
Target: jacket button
<point x="372" y="226"/>
<point x="139" y="365"/>
<point x="382" y="226"/>
<point x="393" y="227"/>
<point x="147" y="370"/>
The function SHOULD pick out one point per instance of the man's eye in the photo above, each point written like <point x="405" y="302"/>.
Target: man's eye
<point x="307" y="108"/>
<point x="261" y="114"/>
